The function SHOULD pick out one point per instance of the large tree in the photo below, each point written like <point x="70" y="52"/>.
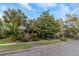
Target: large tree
<point x="14" y="16"/>
<point x="47" y="24"/>
<point x="14" y="22"/>
<point x="72" y="25"/>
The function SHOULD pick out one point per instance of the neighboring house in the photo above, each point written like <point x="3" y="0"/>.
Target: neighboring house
<point x="71" y="24"/>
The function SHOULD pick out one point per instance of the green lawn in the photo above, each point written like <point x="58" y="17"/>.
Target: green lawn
<point x="15" y="47"/>
<point x="47" y="42"/>
<point x="4" y="41"/>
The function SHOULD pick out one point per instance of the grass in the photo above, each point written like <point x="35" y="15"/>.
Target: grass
<point x="4" y="41"/>
<point x="15" y="47"/>
<point x="47" y="42"/>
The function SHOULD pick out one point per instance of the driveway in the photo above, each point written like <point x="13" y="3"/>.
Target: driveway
<point x="70" y="48"/>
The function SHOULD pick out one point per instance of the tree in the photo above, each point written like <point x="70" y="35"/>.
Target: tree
<point x="11" y="31"/>
<point x="14" y="16"/>
<point x="14" y="21"/>
<point x="31" y="30"/>
<point x="1" y="32"/>
<point x="72" y="23"/>
<point x="47" y="25"/>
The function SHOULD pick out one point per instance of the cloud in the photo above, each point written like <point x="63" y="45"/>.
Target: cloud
<point x="3" y="8"/>
<point x="75" y="11"/>
<point x="48" y="5"/>
<point x="27" y="6"/>
<point x="63" y="10"/>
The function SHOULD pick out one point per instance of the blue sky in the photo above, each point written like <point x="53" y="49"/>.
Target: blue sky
<point x="33" y="10"/>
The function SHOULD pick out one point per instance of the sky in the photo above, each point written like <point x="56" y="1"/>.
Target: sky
<point x="33" y="10"/>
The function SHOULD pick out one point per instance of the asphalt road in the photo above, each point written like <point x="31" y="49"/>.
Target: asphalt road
<point x="70" y="48"/>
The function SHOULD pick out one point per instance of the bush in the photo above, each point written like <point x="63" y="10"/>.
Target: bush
<point x="1" y="35"/>
<point x="63" y="39"/>
<point x="34" y="37"/>
<point x="11" y="38"/>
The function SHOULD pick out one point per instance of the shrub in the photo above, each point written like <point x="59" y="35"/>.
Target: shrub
<point x="34" y="37"/>
<point x="12" y="38"/>
<point x="63" y="39"/>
